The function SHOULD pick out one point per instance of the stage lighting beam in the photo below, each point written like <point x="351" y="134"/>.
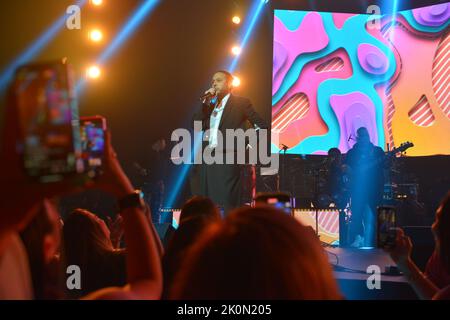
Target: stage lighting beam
<point x="137" y="18"/>
<point x="255" y="13"/>
<point x="35" y="48"/>
<point x="132" y="24"/>
<point x="394" y="18"/>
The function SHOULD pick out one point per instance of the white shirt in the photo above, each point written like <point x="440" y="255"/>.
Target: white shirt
<point x="214" y="121"/>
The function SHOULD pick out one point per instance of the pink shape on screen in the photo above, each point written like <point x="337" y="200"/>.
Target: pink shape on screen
<point x="334" y="64"/>
<point x="421" y="114"/>
<point x="295" y="108"/>
<point x="309" y="37"/>
<point x="279" y="57"/>
<point x="340" y="19"/>
<point x="441" y="78"/>
<point x="311" y="123"/>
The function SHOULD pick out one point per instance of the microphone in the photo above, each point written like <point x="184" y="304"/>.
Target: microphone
<point x="206" y="95"/>
<point x="285" y="147"/>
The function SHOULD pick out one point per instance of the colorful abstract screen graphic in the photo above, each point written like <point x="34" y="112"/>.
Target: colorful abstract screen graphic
<point x="334" y="73"/>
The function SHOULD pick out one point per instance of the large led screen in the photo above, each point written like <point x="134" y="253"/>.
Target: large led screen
<point x="336" y="72"/>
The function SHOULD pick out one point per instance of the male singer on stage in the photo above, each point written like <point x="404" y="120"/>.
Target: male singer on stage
<point x="221" y="110"/>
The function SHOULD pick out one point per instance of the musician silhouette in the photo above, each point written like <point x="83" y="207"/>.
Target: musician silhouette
<point x="337" y="178"/>
<point x="366" y="162"/>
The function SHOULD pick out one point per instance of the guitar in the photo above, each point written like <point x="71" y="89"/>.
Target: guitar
<point x="402" y="148"/>
<point x="362" y="167"/>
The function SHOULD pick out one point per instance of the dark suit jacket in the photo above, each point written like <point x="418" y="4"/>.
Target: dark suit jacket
<point x="238" y="113"/>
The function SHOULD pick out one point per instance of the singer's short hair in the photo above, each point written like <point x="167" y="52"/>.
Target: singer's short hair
<point x="227" y="74"/>
<point x="334" y="152"/>
<point x="362" y="131"/>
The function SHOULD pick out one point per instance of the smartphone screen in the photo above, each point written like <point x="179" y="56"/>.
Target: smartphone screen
<point x="48" y="117"/>
<point x="386" y="227"/>
<point x="280" y="201"/>
<point x="92" y="132"/>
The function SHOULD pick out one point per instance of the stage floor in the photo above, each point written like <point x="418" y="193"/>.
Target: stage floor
<point x="351" y="271"/>
<point x="352" y="263"/>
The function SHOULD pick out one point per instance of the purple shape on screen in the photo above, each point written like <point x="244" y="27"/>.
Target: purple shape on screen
<point x="353" y="111"/>
<point x="433" y="16"/>
<point x="279" y="59"/>
<point x="372" y="59"/>
<point x="297" y="42"/>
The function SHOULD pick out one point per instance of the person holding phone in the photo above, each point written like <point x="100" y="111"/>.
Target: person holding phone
<point x="92" y="133"/>
<point x="44" y="95"/>
<point x="434" y="283"/>
<point x="144" y="274"/>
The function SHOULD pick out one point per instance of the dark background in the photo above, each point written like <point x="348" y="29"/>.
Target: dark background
<point x="151" y="84"/>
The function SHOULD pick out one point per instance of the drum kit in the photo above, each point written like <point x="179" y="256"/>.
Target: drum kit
<point x="312" y="180"/>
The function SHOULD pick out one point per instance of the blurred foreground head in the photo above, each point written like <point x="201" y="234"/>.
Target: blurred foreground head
<point x="256" y="253"/>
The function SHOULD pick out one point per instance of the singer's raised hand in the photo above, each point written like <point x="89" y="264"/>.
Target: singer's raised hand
<point x="210" y="91"/>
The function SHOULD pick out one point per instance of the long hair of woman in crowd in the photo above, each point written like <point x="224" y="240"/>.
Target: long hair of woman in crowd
<point x="42" y="238"/>
<point x="196" y="215"/>
<point x="87" y="245"/>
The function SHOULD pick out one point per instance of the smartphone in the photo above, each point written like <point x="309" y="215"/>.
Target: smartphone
<point x="92" y="133"/>
<point x="48" y="120"/>
<point x="279" y="200"/>
<point x="386" y="226"/>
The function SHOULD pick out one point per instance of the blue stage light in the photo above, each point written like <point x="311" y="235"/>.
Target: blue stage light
<point x="253" y="16"/>
<point x="35" y="48"/>
<point x="394" y="19"/>
<point x="132" y="24"/>
<point x="135" y="20"/>
<point x="180" y="175"/>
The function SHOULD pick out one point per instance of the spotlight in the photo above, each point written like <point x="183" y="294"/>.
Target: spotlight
<point x="95" y="35"/>
<point x="236" y="82"/>
<point x="93" y="72"/>
<point x="251" y="19"/>
<point x="236" y="50"/>
<point x="97" y="2"/>
<point x="236" y="20"/>
<point x="134" y="21"/>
